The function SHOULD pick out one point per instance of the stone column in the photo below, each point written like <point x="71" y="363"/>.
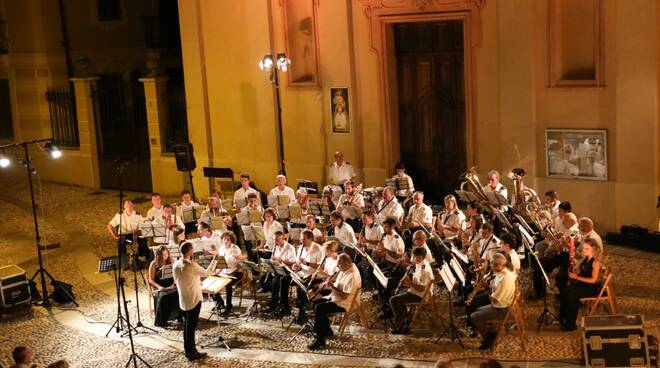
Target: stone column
<point x="87" y="128"/>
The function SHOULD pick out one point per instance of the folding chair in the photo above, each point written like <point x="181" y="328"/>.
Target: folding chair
<point x="354" y="310"/>
<point x="427" y="301"/>
<point x="515" y="315"/>
<point x="605" y="296"/>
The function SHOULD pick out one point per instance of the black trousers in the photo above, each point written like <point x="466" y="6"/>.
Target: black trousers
<point x="229" y="290"/>
<point x="570" y="301"/>
<point x="398" y="305"/>
<point x="280" y="291"/>
<point x="323" y="309"/>
<point x="301" y="296"/>
<point x="559" y="260"/>
<point x="190" y="319"/>
<point x="394" y="274"/>
<point x="355" y="223"/>
<point x="190" y="227"/>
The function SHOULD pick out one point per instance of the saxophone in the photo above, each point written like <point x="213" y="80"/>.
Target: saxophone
<point x="480" y="285"/>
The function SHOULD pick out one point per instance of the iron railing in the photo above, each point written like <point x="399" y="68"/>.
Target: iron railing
<point x="63" y="118"/>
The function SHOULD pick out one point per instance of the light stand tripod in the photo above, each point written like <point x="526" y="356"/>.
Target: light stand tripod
<point x="137" y="297"/>
<point x="134" y="356"/>
<point x="41" y="271"/>
<point x="120" y="321"/>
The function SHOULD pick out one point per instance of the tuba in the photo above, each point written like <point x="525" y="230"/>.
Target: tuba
<point x="470" y="183"/>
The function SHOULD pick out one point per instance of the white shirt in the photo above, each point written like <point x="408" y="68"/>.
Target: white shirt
<point x="232" y="256"/>
<point x="313" y="255"/>
<point x="404" y="192"/>
<point x="357" y="200"/>
<point x="345" y="233"/>
<point x="554" y="209"/>
<point x="248" y="210"/>
<point x="287" y="252"/>
<point x="429" y="256"/>
<point x="423" y="275"/>
<point x="287" y="191"/>
<point x="515" y="259"/>
<point x="499" y="188"/>
<point x="373" y="232"/>
<point x="269" y="231"/>
<point x="504" y="287"/>
<point x="389" y="209"/>
<point x="454" y="218"/>
<point x="203" y="244"/>
<point x="562" y="229"/>
<point x="180" y="209"/>
<point x="593" y="235"/>
<point x="162" y="222"/>
<point x="393" y="243"/>
<point x="487" y="247"/>
<point x="129" y="223"/>
<point x="340" y="174"/>
<point x="421" y="214"/>
<point x="330" y="265"/>
<point x="208" y="214"/>
<point x="316" y="232"/>
<point x="241" y="194"/>
<point x="155" y="213"/>
<point x="188" y="282"/>
<point x="348" y="282"/>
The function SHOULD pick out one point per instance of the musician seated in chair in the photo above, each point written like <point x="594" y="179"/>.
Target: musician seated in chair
<point x="307" y="266"/>
<point x="166" y="298"/>
<point x="389" y="207"/>
<point x="420" y="216"/>
<point x="233" y="256"/>
<point x="508" y="246"/>
<point x="503" y="287"/>
<point x="342" y="287"/>
<point x="251" y="206"/>
<point x="167" y="220"/>
<point x="585" y="285"/>
<point x="241" y="195"/>
<point x="285" y="254"/>
<point x="341" y="229"/>
<point x="187" y="204"/>
<point x="213" y="239"/>
<point x="556" y="256"/>
<point x="370" y="237"/>
<point x="422" y="277"/>
<point x="130" y="225"/>
<point x="348" y="203"/>
<point x="310" y="224"/>
<point x="390" y="252"/>
<point x="450" y="221"/>
<point x="282" y="189"/>
<point x="214" y="209"/>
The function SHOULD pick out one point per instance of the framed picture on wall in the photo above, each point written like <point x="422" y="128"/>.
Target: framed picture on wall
<point x="576" y="153"/>
<point x="301" y="35"/>
<point x="339" y="110"/>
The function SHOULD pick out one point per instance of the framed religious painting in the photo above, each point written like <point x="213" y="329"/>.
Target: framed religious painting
<point x="339" y="110"/>
<point x="576" y="153"/>
<point x="301" y="36"/>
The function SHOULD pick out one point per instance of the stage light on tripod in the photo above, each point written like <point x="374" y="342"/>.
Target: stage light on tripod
<point x="53" y="151"/>
<point x="4" y="161"/>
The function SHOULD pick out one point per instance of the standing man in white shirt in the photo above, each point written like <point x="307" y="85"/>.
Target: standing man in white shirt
<point x="187" y="277"/>
<point x="400" y="175"/>
<point x="340" y="170"/>
<point x="343" y="288"/>
<point x="422" y="277"/>
<point x="156" y="211"/>
<point x="130" y="224"/>
<point x="502" y="294"/>
<point x="188" y="206"/>
<point x="282" y="189"/>
<point x="241" y="194"/>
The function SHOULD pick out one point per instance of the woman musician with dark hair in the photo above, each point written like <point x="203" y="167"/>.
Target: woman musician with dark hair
<point x="166" y="298"/>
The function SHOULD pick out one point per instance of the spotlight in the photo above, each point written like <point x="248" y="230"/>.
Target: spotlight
<point x="53" y="151"/>
<point x="283" y="62"/>
<point x="4" y="161"/>
<point x="266" y="64"/>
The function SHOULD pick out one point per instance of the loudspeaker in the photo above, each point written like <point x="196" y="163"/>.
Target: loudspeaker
<point x="184" y="155"/>
<point x="59" y="294"/>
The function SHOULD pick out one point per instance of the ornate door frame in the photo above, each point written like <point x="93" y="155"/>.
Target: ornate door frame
<point x="381" y="14"/>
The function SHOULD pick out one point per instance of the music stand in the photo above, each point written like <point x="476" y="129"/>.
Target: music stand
<point x="283" y="212"/>
<point x="218" y="282"/>
<point x="253" y="233"/>
<point x="448" y="279"/>
<point x="243" y="218"/>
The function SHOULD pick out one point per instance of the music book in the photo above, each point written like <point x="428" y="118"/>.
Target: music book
<point x="253" y="233"/>
<point x="218" y="224"/>
<point x="447" y="277"/>
<point x="255" y="216"/>
<point x="390" y="183"/>
<point x="166" y="271"/>
<point x="402" y="183"/>
<point x="458" y="270"/>
<point x="459" y="255"/>
<point x="295" y="212"/>
<point x="380" y="276"/>
<point x="146" y="229"/>
<point x="214" y="284"/>
<point x="243" y="218"/>
<point x="240" y="202"/>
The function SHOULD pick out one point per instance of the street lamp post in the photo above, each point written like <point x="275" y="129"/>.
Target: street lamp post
<point x="271" y="66"/>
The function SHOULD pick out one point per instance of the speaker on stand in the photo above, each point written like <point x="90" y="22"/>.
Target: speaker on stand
<point x="185" y="161"/>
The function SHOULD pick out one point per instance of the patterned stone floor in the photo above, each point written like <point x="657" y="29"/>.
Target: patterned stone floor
<point x="75" y="218"/>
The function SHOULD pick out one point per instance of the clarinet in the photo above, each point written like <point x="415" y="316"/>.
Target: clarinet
<point x="410" y="268"/>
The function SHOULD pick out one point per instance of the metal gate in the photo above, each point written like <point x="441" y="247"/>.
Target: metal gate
<point x="123" y="138"/>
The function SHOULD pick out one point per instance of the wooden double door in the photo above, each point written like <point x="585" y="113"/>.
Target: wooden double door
<point x="431" y="93"/>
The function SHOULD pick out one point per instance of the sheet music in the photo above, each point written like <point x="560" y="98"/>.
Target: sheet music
<point x="402" y="183"/>
<point x="146" y="229"/>
<point x="390" y="183"/>
<point x="380" y="276"/>
<point x="283" y="200"/>
<point x="203" y="246"/>
<point x="295" y="212"/>
<point x="166" y="272"/>
<point x="460" y="255"/>
<point x="283" y="212"/>
<point x="214" y="284"/>
<point x="447" y="277"/>
<point x="254" y="216"/>
<point x="218" y="223"/>
<point x="253" y="233"/>
<point x="243" y="218"/>
<point x="458" y="270"/>
<point x="240" y="202"/>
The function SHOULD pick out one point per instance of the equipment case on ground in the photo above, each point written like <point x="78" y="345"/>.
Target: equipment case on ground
<point x="615" y="341"/>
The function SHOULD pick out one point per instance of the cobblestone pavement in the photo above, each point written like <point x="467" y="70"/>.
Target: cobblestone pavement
<point x="76" y="217"/>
